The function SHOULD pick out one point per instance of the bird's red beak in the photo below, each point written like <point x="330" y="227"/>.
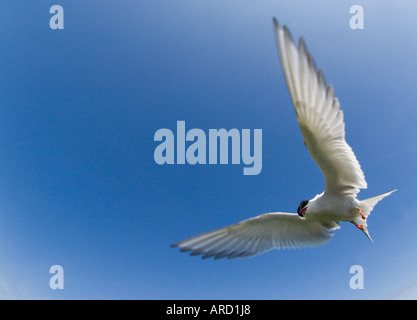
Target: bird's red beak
<point x="302" y="211"/>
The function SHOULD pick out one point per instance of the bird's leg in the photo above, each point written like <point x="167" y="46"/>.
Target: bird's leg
<point x="362" y="215"/>
<point x="359" y="226"/>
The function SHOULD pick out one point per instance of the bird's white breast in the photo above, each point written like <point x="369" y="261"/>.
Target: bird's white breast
<point x="332" y="207"/>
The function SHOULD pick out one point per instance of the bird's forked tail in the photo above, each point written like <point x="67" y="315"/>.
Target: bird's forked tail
<point x="366" y="207"/>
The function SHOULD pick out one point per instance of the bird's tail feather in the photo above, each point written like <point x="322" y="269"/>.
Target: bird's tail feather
<point x="366" y="207"/>
<point x="365" y="231"/>
<point x="368" y="204"/>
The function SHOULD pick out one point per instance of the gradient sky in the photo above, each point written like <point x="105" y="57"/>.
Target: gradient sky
<point x="79" y="107"/>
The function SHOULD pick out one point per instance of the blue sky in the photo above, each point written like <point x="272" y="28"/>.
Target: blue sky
<point x="79" y="107"/>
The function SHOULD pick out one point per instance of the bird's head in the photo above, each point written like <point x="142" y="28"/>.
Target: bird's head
<point x="302" y="208"/>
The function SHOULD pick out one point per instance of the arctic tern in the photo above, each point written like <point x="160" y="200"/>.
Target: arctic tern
<point x="323" y="129"/>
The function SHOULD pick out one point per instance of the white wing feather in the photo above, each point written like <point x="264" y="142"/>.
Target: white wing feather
<point x="258" y="235"/>
<point x="319" y="117"/>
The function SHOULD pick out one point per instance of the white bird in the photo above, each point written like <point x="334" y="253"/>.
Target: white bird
<point x="321" y="124"/>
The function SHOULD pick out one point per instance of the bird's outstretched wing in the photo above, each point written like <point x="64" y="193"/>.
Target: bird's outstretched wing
<point x="258" y="235"/>
<point x="319" y="117"/>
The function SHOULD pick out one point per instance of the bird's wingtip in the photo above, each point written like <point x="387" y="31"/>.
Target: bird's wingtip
<point x="276" y="24"/>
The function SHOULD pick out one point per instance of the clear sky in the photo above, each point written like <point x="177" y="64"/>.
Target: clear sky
<point x="79" y="185"/>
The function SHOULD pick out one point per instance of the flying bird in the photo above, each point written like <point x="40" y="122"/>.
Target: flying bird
<point x="323" y="129"/>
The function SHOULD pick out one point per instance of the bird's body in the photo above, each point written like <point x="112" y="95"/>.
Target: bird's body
<point x="326" y="206"/>
<point x="323" y="129"/>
